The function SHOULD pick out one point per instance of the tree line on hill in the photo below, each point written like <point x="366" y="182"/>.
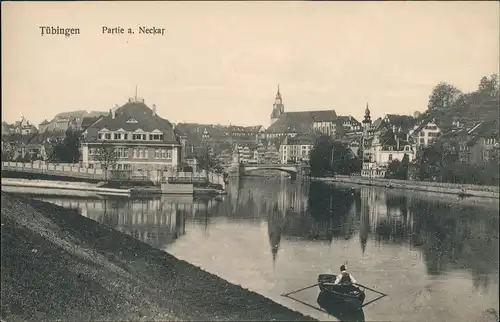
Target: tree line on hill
<point x="433" y="163"/>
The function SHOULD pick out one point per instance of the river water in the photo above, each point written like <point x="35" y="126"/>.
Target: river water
<point x="435" y="256"/>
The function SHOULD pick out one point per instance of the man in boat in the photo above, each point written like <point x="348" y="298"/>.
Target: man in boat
<point x="344" y="277"/>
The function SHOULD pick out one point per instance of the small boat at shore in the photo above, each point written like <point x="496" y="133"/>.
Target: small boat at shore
<point x="348" y="294"/>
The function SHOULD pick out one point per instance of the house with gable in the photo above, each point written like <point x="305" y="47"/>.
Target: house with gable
<point x="142" y="140"/>
<point x="426" y="132"/>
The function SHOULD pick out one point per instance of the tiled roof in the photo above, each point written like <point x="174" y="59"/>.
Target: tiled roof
<point x="141" y="113"/>
<point x="300" y="122"/>
<point x="45" y="136"/>
<point x="404" y="121"/>
<point x="349" y="118"/>
<point x="307" y="139"/>
<point x="88" y="121"/>
<point x="485" y="128"/>
<point x="423" y="124"/>
<point x="377" y="123"/>
<point x="71" y="114"/>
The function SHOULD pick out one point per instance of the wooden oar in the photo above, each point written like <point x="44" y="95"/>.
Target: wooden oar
<point x="305" y="288"/>
<point x="371" y="289"/>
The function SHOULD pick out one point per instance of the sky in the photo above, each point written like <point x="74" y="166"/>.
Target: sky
<point x="221" y="62"/>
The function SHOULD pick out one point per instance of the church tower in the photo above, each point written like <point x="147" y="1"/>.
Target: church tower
<point x="367" y="121"/>
<point x="278" y="107"/>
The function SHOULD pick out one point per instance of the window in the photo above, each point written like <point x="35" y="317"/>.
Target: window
<point x="125" y="136"/>
<point x="100" y="136"/>
<point x="135" y="154"/>
<point x="107" y="136"/>
<point x="390" y="157"/>
<point x="117" y="136"/>
<point x="157" y="154"/>
<point x="422" y="133"/>
<point x="422" y="141"/>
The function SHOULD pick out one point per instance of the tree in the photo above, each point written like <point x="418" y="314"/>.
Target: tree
<point x="343" y="161"/>
<point x="444" y="96"/>
<point x="107" y="157"/>
<point x="321" y="154"/>
<point x="68" y="151"/>
<point x="398" y="169"/>
<point x="207" y="161"/>
<point x="489" y="86"/>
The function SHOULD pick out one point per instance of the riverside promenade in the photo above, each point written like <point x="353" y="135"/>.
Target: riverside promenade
<point x="438" y="187"/>
<point x="59" y="265"/>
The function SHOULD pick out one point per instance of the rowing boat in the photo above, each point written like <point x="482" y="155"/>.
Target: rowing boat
<point x="349" y="294"/>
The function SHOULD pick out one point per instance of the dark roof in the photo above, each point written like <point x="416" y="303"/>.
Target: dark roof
<point x="44" y="122"/>
<point x="485" y="128"/>
<point x="350" y="118"/>
<point x="405" y="122"/>
<point x="300" y="122"/>
<point x="88" y="121"/>
<point x="133" y="110"/>
<point x="377" y="123"/>
<point x="71" y="114"/>
<point x="306" y="139"/>
<point x="423" y="124"/>
<point x="45" y="136"/>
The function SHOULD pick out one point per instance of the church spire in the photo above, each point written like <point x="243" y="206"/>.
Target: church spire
<point x="278" y="94"/>
<point x="367" y="118"/>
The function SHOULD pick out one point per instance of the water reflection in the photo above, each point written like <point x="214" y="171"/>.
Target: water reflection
<point x="339" y="311"/>
<point x="447" y="235"/>
<point x="393" y="231"/>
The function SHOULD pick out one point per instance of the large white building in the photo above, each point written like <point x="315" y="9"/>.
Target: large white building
<point x="142" y="140"/>
<point x="298" y="148"/>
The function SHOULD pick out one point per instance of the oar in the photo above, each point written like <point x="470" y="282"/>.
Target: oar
<point x="305" y="288"/>
<point x="371" y="289"/>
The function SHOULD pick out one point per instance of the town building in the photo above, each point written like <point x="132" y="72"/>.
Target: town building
<point x="385" y="140"/>
<point x="350" y="125"/>
<point x="142" y="140"/>
<point x="295" y="123"/>
<point x="425" y="133"/>
<point x="23" y="127"/>
<point x="297" y="149"/>
<point x="76" y="120"/>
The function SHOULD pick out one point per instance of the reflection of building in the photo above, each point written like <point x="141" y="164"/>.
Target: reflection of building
<point x="158" y="222"/>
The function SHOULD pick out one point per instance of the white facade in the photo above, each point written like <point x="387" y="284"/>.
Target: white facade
<point x="325" y="127"/>
<point x="297" y="152"/>
<point x="426" y="135"/>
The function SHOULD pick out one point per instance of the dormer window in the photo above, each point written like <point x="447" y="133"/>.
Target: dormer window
<point x="132" y="120"/>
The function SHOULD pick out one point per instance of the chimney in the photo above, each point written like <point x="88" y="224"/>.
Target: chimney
<point x="113" y="111"/>
<point x="154" y="109"/>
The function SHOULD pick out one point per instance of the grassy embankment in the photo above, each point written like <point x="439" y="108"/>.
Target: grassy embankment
<point x="58" y="265"/>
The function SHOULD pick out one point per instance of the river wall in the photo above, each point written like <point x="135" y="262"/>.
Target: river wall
<point x="59" y="188"/>
<point x="438" y="187"/>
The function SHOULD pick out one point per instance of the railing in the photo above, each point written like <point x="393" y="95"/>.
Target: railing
<point x="77" y="171"/>
<point x="69" y="170"/>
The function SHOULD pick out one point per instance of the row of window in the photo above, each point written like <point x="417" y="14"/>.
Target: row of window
<point x="135" y="137"/>
<point x="137" y="153"/>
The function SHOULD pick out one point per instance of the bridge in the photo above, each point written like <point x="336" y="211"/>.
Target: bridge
<point x="295" y="170"/>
